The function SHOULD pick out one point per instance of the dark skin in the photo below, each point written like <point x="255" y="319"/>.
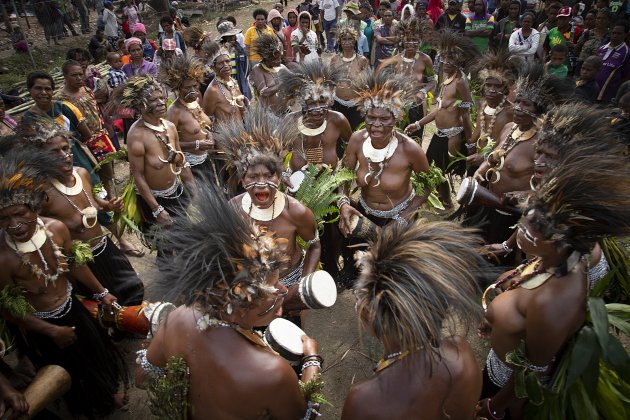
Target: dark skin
<point x="189" y="129"/>
<point x="11" y="400"/>
<point x="545" y="317"/>
<point x="519" y="162"/>
<point x="149" y="172"/>
<point x="42" y="297"/>
<point x="257" y="375"/>
<point x="479" y="9"/>
<point x="266" y="82"/>
<point x="450" y="387"/>
<point x="214" y="103"/>
<point x="57" y="205"/>
<point x="292" y="221"/>
<point x="395" y="184"/>
<point x="494" y="92"/>
<point x="348" y="70"/>
<point x="337" y="128"/>
<point x="387" y="20"/>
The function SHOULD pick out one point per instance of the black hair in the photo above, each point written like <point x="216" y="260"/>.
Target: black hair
<point x="624" y="24"/>
<point x="38" y="74"/>
<point x="231" y="19"/>
<point x="560" y="48"/>
<point x="65" y="68"/>
<point x="260" y="12"/>
<point x="166" y="19"/>
<point x="594" y="61"/>
<point x="74" y="52"/>
<point x="529" y="13"/>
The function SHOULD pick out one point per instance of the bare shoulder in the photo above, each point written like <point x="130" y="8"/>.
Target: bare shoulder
<point x="336" y="117"/>
<point x="173" y="112"/>
<point x="169" y="125"/>
<point x="425" y="59"/>
<point x="335" y="60"/>
<point x="298" y="211"/>
<point x="361" y="400"/>
<point x="84" y="174"/>
<point x="357" y="138"/>
<point x="363" y="61"/>
<point x="56" y="227"/>
<point x="409" y="146"/>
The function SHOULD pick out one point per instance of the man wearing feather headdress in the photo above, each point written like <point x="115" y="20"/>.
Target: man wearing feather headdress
<point x="255" y="148"/>
<point x="156" y="161"/>
<point x="223" y="99"/>
<point x="71" y="200"/>
<point x="36" y="275"/>
<point x="495" y="73"/>
<point x="184" y="75"/>
<point x="415" y="63"/>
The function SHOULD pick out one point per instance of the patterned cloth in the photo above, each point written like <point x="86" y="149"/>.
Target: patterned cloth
<point x="116" y="77"/>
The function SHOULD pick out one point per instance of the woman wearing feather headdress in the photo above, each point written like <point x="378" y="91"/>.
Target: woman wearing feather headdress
<point x="321" y="130"/>
<point x="412" y="63"/>
<point x="384" y="158"/>
<point x="36" y="268"/>
<point x="349" y="64"/>
<point x="452" y="113"/>
<point x="71" y="200"/>
<point x="225" y="275"/>
<point x="255" y="149"/>
<point x="264" y="75"/>
<point x="183" y="76"/>
<point x="542" y="304"/>
<point x="413" y="280"/>
<point x="156" y="161"/>
<point x="496" y="74"/>
<point x="510" y="165"/>
<point x="223" y="99"/>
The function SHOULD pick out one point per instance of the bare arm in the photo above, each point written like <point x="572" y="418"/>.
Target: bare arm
<point x="136" y="153"/>
<point x="209" y="103"/>
<point x="307" y="229"/>
<point x="464" y="92"/>
<point x="186" y="173"/>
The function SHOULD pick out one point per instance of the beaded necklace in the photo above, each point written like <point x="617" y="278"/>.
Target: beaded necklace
<point x="206" y="321"/>
<point x="232" y="87"/>
<point x="390" y="359"/>
<point x="62" y="266"/>
<point x="497" y="157"/>
<point x="166" y="142"/>
<point x="487" y="134"/>
<point x="87" y="213"/>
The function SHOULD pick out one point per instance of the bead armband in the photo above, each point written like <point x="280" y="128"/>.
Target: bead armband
<point x="343" y="201"/>
<point x="506" y="247"/>
<point x="148" y="367"/>
<point x="100" y="296"/>
<point x="470" y="145"/>
<point x="157" y="211"/>
<point x="197" y="144"/>
<point x="311" y="363"/>
<point x="314" y="240"/>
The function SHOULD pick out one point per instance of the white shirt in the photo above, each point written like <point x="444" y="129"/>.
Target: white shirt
<point x="524" y="47"/>
<point x="111" y="23"/>
<point x="310" y="41"/>
<point x="329" y="7"/>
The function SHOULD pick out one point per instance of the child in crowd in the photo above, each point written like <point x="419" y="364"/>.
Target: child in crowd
<point x="125" y="57"/>
<point x="586" y="88"/>
<point x="116" y="75"/>
<point x="555" y="66"/>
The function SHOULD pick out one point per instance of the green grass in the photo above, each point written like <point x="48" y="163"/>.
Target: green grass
<point x="19" y="64"/>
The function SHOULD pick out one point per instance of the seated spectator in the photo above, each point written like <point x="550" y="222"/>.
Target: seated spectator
<point x="616" y="62"/>
<point x="555" y="66"/>
<point x="586" y="88"/>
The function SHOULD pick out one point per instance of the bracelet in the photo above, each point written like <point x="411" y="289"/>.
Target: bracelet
<point x="312" y="357"/>
<point x="506" y="247"/>
<point x="470" y="145"/>
<point x="417" y="124"/>
<point x="287" y="173"/>
<point x="100" y="296"/>
<point x="344" y="200"/>
<point x="311" y="363"/>
<point x="157" y="211"/>
<point x="423" y="90"/>
<point x="196" y="144"/>
<point x="493" y="413"/>
<point x="186" y="164"/>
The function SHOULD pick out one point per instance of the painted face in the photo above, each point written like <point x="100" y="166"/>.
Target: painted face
<point x="189" y="90"/>
<point x="493" y="90"/>
<point x="523" y="111"/>
<point x="223" y="66"/>
<point x="19" y="222"/>
<point x="261" y="185"/>
<point x="379" y="123"/>
<point x="315" y="111"/>
<point x="60" y="146"/>
<point x="449" y="63"/>
<point x="527" y="238"/>
<point x="545" y="160"/>
<point x="156" y="104"/>
<point x="347" y="42"/>
<point x="136" y="52"/>
<point x="74" y="78"/>
<point x="42" y="93"/>
<point x="411" y="43"/>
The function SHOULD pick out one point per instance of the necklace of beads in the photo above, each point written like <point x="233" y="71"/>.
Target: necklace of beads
<point x="497" y="157"/>
<point x="390" y="359"/>
<point x="487" y="134"/>
<point x="36" y="242"/>
<point x="88" y="213"/>
<point x="232" y="87"/>
<point x="206" y="321"/>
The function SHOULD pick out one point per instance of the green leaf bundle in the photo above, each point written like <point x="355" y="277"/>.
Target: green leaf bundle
<point x="13" y="301"/>
<point x="168" y="394"/>
<point x="81" y="253"/>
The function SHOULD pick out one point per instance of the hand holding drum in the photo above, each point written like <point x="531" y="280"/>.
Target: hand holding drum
<point x="289" y="340"/>
<point x="314" y="291"/>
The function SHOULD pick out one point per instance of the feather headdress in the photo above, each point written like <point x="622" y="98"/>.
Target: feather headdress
<point x="384" y="90"/>
<point x="414" y="279"/>
<point x="314" y="81"/>
<point x="261" y="138"/>
<point x="24" y="175"/>
<point x="134" y="94"/>
<point x="408" y="28"/>
<point x="38" y="130"/>
<point x="267" y="46"/>
<point x="174" y="72"/>
<point x="496" y="65"/>
<point x="542" y="89"/>
<point x="345" y="28"/>
<point x="222" y="262"/>
<point x="579" y="204"/>
<point x="461" y="49"/>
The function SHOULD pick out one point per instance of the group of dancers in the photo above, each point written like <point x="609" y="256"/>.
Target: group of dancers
<point x="223" y="201"/>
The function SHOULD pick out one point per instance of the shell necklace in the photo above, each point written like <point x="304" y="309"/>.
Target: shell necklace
<point x="390" y="359"/>
<point x="88" y="213"/>
<point x="380" y="156"/>
<point x="263" y="215"/>
<point x="37" y="241"/>
<point x="493" y="113"/>
<point x="172" y="155"/>
<point x="497" y="157"/>
<point x="311" y="132"/>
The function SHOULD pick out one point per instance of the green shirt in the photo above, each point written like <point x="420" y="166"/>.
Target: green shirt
<point x="560" y="71"/>
<point x="482" y="42"/>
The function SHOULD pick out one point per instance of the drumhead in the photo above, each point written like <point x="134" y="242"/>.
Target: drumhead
<point x="285" y="337"/>
<point x="462" y="193"/>
<point x="296" y="180"/>
<point x="156" y="313"/>
<point x="354" y="222"/>
<point x="318" y="290"/>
